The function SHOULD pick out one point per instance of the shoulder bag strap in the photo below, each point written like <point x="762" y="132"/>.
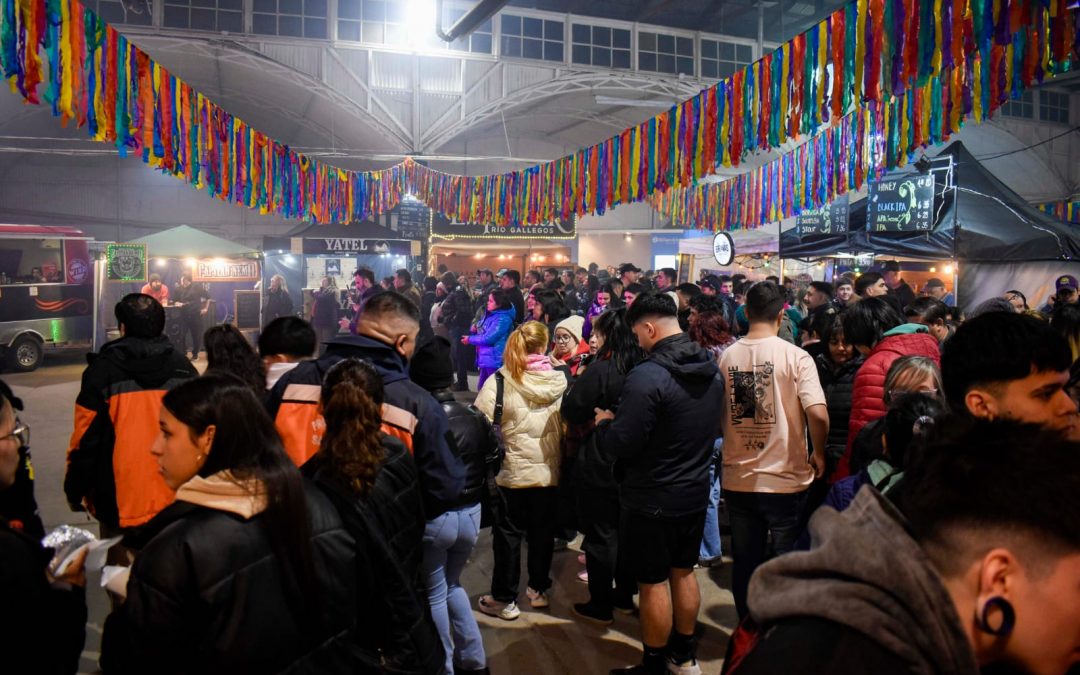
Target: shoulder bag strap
<point x="499" y="384"/>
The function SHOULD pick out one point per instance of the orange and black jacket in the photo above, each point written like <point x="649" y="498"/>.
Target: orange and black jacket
<point x="110" y="470"/>
<point x="409" y="414"/>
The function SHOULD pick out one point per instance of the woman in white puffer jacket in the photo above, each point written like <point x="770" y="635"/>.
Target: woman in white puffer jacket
<point x="532" y="431"/>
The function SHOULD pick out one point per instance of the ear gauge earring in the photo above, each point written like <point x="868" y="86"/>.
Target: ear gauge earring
<point x="1008" y="617"/>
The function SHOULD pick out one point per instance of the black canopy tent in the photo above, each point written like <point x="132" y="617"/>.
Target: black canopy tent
<point x="979" y="222"/>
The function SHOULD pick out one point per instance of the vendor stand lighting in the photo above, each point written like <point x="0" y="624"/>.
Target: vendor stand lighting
<point x="190" y="263"/>
<point x="948" y="269"/>
<point x="629" y="237"/>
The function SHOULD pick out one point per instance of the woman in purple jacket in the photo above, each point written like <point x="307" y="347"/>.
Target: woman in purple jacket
<point x="490" y="336"/>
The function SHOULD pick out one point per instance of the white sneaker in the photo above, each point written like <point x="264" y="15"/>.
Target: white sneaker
<point x="691" y="667"/>
<point x="507" y="611"/>
<point x="537" y="599"/>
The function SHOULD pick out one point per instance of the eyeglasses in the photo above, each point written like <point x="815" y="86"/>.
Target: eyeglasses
<point x="20" y="434"/>
<point x="563" y="338"/>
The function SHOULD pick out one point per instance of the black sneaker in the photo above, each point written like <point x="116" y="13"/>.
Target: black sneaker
<point x="593" y="614"/>
<point x="625" y="605"/>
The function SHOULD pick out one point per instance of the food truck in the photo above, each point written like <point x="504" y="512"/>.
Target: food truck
<point x="47" y="296"/>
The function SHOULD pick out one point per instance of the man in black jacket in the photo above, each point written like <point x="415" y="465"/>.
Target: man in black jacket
<point x="663" y="446"/>
<point x="387" y="331"/>
<point x="457" y="316"/>
<point x="510" y="281"/>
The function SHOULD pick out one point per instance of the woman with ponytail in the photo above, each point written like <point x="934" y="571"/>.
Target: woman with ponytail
<point x="372" y="480"/>
<point x="531" y="430"/>
<point x="250" y="569"/>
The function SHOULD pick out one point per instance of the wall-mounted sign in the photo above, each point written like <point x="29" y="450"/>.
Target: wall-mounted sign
<point x="441" y="226"/>
<point x="77" y="268"/>
<point x="126" y="262"/>
<point x="829" y="219"/>
<point x="225" y="270"/>
<point x="901" y="205"/>
<point x="723" y="248"/>
<point x="345" y="245"/>
<point x="413" y="219"/>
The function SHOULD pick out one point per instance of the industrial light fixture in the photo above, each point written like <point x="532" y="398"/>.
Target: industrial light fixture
<point x="629" y="237"/>
<point x="483" y="10"/>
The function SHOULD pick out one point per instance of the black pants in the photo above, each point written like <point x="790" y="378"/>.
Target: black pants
<point x="191" y="323"/>
<point x="530" y="517"/>
<point x="459" y="354"/>
<point x="598" y="517"/>
<point x="754" y="516"/>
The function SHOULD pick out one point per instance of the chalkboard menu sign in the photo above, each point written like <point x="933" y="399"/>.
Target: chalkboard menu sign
<point x="829" y="219"/>
<point x="901" y="205"/>
<point x="413" y="219"/>
<point x="247" y="306"/>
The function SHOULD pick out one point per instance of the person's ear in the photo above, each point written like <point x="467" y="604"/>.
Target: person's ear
<point x="205" y="442"/>
<point x="981" y="404"/>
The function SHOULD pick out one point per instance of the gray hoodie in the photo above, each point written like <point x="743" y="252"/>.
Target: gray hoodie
<point x="864" y="571"/>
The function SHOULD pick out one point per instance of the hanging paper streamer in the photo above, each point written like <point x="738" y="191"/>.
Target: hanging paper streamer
<point x="1067" y="211"/>
<point x="882" y="77"/>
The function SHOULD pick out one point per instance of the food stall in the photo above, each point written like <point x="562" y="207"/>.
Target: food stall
<point x="224" y="267"/>
<point x="980" y="237"/>
<point x="465" y="247"/>
<point x="46" y="292"/>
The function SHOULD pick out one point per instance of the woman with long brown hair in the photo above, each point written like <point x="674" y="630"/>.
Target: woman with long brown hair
<point x="372" y="480"/>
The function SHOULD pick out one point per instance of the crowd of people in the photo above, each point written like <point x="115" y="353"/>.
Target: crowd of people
<point x="902" y="481"/>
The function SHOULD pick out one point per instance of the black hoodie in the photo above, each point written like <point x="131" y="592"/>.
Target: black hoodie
<point x="663" y="432"/>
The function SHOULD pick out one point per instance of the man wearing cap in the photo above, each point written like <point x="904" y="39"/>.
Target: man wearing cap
<point x="629" y="273"/>
<point x="1065" y="293"/>
<point x="156" y="290"/>
<point x="487" y="282"/>
<point x="935" y="288"/>
<point x="898" y="288"/>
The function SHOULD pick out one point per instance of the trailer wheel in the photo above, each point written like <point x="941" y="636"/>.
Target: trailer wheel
<point x="24" y="355"/>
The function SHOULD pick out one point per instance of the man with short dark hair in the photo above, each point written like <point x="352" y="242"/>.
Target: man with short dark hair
<point x="629" y="273"/>
<point x="403" y="283"/>
<point x="532" y="278"/>
<point x="284" y="343"/>
<point x="898" y="288"/>
<point x="110" y="471"/>
<point x="363" y="288"/>
<point x="386" y="337"/>
<point x="773" y="395"/>
<point x="684" y="293"/>
<point x="844" y="289"/>
<point x="665" y="279"/>
<point x="192" y="299"/>
<point x="550" y="274"/>
<point x="1003" y="364"/>
<point x="726" y="285"/>
<point x="662" y="444"/>
<point x="818" y="294"/>
<point x="509" y="283"/>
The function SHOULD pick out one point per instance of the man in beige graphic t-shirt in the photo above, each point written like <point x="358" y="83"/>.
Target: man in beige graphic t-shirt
<point x="772" y="394"/>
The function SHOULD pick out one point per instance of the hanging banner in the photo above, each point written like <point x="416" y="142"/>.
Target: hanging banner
<point x="446" y="228"/>
<point x="225" y="270"/>
<point x="902" y="205"/>
<point x="827" y="220"/>
<point x="125" y="262"/>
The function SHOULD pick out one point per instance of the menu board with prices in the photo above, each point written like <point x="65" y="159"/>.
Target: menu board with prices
<point x="413" y="220"/>
<point x="829" y="219"/>
<point x="901" y="205"/>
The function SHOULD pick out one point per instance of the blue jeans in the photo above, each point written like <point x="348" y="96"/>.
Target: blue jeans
<point x="710" y="542"/>
<point x="754" y="515"/>
<point x="448" y="541"/>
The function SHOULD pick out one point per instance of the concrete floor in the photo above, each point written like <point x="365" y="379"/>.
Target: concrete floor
<point x="547" y="641"/>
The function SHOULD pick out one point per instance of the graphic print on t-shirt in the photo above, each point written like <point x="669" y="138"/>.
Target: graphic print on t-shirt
<point x="752" y="395"/>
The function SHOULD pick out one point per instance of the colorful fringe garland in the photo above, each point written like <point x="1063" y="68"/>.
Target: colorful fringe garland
<point x="1067" y="211"/>
<point x="886" y="76"/>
